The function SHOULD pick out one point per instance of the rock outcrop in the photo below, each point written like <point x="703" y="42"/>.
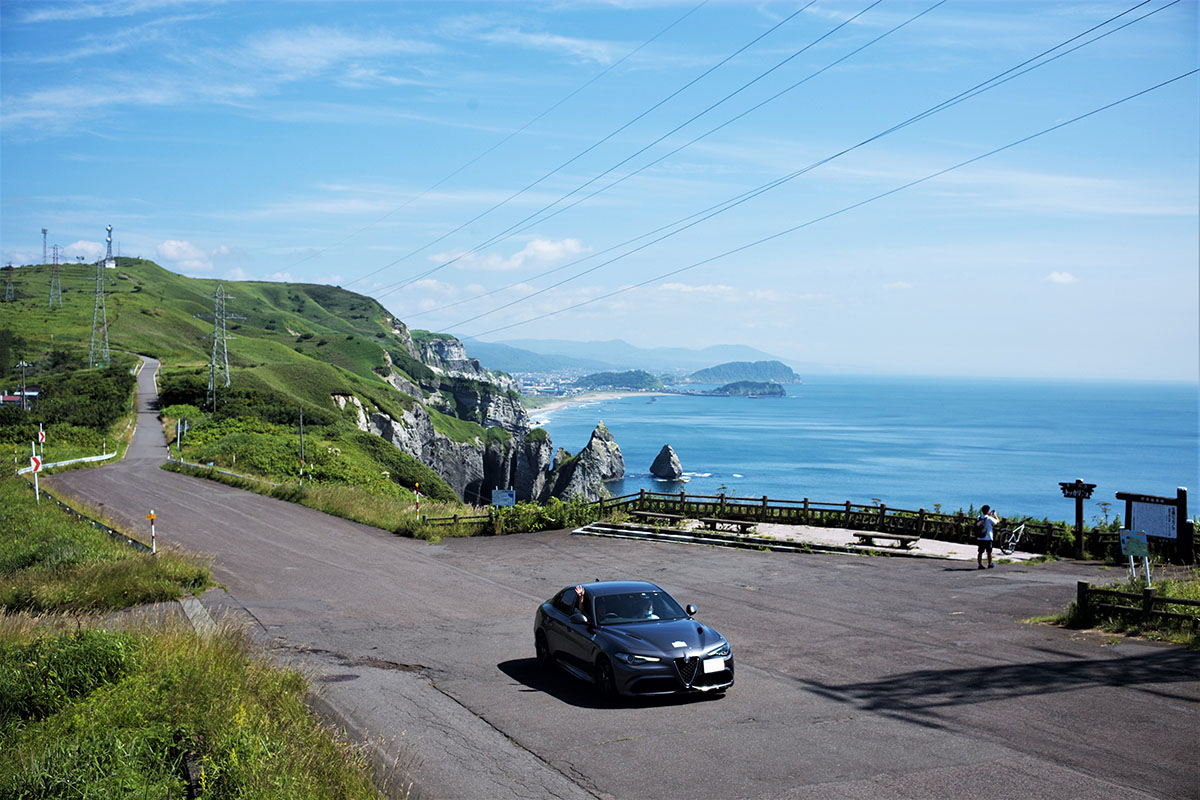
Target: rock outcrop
<point x="666" y="465"/>
<point x="583" y="476"/>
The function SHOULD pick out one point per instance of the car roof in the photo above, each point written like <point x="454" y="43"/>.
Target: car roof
<point x="601" y="588"/>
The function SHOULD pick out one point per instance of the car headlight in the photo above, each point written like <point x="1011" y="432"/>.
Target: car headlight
<point x="723" y="651"/>
<point x="634" y="658"/>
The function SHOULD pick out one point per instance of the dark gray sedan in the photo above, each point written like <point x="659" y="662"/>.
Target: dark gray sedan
<point x="631" y="638"/>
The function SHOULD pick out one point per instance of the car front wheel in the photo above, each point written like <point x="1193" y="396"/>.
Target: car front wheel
<point x="541" y="651"/>
<point x="606" y="681"/>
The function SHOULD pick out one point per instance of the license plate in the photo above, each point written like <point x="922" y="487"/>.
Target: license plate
<point x="714" y="664"/>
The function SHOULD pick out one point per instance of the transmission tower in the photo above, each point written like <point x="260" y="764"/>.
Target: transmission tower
<point x="8" y="287"/>
<point x="98" y="354"/>
<point x="44" y="232"/>
<point x="218" y="368"/>
<point x="55" y="281"/>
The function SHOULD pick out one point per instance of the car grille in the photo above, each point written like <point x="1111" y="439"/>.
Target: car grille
<point x="686" y="667"/>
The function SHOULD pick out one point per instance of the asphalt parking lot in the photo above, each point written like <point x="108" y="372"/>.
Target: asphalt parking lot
<point x="858" y="677"/>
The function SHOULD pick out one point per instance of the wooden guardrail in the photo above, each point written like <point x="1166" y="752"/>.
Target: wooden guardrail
<point x="1144" y="610"/>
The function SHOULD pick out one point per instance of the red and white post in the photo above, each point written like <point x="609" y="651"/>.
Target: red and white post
<point x="153" y="543"/>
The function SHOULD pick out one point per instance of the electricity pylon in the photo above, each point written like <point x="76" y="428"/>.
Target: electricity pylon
<point x="98" y="354"/>
<point x="218" y="367"/>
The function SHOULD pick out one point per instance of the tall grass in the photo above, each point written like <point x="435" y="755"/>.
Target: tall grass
<point x="103" y="714"/>
<point x="50" y="560"/>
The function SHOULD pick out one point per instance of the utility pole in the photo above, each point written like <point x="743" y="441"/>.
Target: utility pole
<point x="23" y="365"/>
<point x="8" y="284"/>
<point x="44" y="232"/>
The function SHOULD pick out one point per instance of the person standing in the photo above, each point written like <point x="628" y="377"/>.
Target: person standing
<point x="983" y="533"/>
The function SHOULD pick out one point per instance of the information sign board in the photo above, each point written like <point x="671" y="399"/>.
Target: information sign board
<point x="1134" y="544"/>
<point x="504" y="497"/>
<point x="1154" y="519"/>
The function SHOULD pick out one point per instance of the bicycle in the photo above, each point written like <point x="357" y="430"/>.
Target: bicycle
<point x="1009" y="539"/>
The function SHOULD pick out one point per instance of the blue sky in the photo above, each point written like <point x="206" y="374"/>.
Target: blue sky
<point x="365" y="145"/>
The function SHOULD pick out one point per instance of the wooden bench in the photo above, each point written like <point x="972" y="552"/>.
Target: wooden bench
<point x="650" y="515"/>
<point x="903" y="540"/>
<point x="716" y="524"/>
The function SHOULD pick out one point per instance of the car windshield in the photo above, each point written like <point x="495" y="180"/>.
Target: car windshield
<point x="618" y="609"/>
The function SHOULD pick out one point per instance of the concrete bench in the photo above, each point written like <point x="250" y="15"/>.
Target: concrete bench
<point x="716" y="524"/>
<point x="651" y="515"/>
<point x="903" y="540"/>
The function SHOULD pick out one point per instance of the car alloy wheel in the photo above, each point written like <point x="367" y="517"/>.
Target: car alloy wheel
<point x="606" y="681"/>
<point x="542" y="652"/>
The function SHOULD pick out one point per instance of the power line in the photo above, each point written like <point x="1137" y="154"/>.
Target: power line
<point x="596" y="144"/>
<point x="859" y="204"/>
<point x="510" y="230"/>
<point x="720" y="208"/>
<point x="659" y="160"/>
<point x="500" y="143"/>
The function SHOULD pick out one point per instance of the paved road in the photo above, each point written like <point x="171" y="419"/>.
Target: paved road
<point x="857" y="677"/>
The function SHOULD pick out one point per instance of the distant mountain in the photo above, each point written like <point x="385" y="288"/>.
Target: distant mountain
<point x="514" y="359"/>
<point x="618" y="354"/>
<point x="739" y="371"/>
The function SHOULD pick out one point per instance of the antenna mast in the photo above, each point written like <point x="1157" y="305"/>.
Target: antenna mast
<point x="98" y="353"/>
<point x="8" y="287"/>
<point x="44" y="232"/>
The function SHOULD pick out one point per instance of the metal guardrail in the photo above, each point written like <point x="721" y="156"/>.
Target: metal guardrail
<point x="46" y="466"/>
<point x="211" y="468"/>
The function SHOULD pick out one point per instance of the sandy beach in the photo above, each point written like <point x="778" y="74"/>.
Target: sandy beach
<point x="542" y="412"/>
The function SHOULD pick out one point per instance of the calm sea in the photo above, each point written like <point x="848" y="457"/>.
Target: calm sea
<point x="910" y="442"/>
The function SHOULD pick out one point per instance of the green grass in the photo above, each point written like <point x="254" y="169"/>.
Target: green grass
<point x="53" y="561"/>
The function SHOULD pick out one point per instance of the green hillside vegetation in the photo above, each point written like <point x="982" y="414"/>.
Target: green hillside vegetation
<point x="751" y="389"/>
<point x="632" y="379"/>
<point x="292" y="348"/>
<point x="736" y="371"/>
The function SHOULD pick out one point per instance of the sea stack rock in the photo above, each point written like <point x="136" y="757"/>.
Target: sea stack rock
<point x="583" y="476"/>
<point x="666" y="465"/>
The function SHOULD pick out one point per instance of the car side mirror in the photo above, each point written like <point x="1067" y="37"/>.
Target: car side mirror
<point x="691" y="610"/>
<point x="579" y="618"/>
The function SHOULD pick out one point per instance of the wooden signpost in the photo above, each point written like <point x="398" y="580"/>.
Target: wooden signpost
<point x="1080" y="491"/>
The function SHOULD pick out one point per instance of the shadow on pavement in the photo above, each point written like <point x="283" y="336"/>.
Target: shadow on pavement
<point x="918" y="696"/>
<point x="568" y="689"/>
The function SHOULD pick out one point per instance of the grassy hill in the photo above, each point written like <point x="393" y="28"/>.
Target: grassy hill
<point x="292" y="347"/>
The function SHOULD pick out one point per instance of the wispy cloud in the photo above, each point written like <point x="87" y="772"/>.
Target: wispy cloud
<point x="537" y="253"/>
<point x="72" y="12"/>
<point x="1062" y="278"/>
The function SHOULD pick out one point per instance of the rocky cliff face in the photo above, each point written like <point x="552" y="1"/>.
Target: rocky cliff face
<point x="583" y="476"/>
<point x="666" y="465"/>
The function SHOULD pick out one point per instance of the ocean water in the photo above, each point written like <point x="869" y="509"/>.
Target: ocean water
<point x="910" y="442"/>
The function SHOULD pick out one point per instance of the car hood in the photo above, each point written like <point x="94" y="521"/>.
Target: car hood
<point x="668" y="638"/>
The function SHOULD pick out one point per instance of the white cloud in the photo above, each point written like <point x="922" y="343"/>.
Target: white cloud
<point x="184" y="255"/>
<point x="314" y="49"/>
<point x="285" y="277"/>
<point x="711" y="290"/>
<point x="89" y="250"/>
<point x="1062" y="277"/>
<point x="537" y="253"/>
<point x="237" y="274"/>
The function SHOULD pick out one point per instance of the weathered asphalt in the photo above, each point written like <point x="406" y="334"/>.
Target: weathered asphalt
<point x="857" y="677"/>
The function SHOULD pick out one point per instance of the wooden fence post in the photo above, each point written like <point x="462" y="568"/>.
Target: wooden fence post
<point x="920" y="522"/>
<point x="763" y="515"/>
<point x="882" y="516"/>
<point x="721" y="511"/>
<point x="1081" y="602"/>
<point x="641" y="500"/>
<point x="1147" y="605"/>
<point x="846" y="518"/>
<point x="682" y="502"/>
<point x="806" y="511"/>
